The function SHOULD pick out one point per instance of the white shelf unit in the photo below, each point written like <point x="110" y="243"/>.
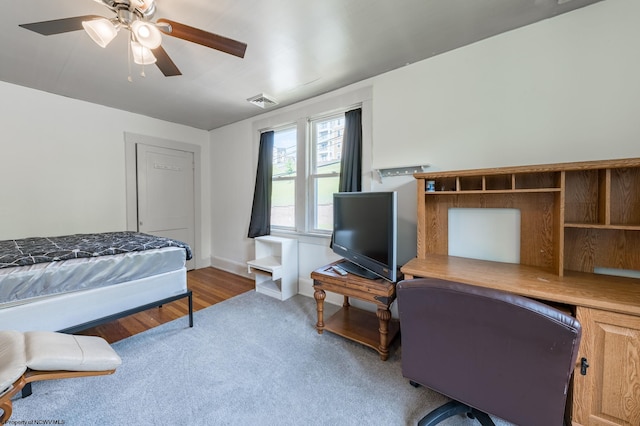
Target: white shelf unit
<point x="276" y="266"/>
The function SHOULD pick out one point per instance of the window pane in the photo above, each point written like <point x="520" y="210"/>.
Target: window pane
<point x="327" y="137"/>
<point x="283" y="203"/>
<point x="284" y="172"/>
<point x="284" y="153"/>
<point x="325" y="187"/>
<point x="327" y="151"/>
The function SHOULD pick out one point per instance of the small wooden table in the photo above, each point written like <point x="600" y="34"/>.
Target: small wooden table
<point x="374" y="330"/>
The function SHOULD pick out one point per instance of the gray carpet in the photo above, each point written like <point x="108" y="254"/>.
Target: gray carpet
<point x="249" y="360"/>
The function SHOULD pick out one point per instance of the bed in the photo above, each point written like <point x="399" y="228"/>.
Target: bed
<point x="74" y="282"/>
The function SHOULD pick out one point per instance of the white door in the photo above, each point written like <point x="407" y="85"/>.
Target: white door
<point x="165" y="179"/>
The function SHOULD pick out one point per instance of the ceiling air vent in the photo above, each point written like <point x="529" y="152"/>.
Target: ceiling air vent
<point x="263" y="101"/>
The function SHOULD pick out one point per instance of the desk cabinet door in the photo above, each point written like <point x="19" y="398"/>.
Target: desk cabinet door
<point x="609" y="393"/>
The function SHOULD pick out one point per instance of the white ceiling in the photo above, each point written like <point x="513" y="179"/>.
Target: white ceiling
<point x="297" y="49"/>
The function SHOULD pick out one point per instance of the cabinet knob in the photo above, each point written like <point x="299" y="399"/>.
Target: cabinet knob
<point x="583" y="366"/>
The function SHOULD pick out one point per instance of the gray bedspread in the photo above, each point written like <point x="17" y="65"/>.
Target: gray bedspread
<point x="29" y="251"/>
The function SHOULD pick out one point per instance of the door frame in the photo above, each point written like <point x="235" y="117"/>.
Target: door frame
<point x="130" y="141"/>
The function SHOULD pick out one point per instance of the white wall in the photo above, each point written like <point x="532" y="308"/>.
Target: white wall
<point x="62" y="165"/>
<point x="233" y="177"/>
<point x="565" y="89"/>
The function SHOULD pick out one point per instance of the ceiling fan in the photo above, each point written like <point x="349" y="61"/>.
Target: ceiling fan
<point x="146" y="37"/>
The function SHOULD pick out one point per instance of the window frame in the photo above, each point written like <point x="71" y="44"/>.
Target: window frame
<point x="341" y="101"/>
<point x="313" y="177"/>
<point x="306" y="208"/>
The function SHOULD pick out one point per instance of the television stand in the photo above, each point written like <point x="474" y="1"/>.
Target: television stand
<point x="375" y="330"/>
<point x="358" y="270"/>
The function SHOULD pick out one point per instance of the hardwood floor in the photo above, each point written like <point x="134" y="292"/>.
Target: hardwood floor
<point x="209" y="286"/>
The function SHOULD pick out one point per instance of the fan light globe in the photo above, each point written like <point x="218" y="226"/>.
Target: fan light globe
<point x="141" y="54"/>
<point x="146" y="34"/>
<point x="102" y="31"/>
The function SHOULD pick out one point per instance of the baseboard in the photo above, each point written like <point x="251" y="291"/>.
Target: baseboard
<point x="230" y="266"/>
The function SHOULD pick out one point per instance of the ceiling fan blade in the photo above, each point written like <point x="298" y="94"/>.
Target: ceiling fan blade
<point x="58" y="26"/>
<point x="204" y="38"/>
<point x="164" y="62"/>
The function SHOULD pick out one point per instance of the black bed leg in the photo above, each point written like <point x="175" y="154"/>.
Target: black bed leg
<point x="190" y="309"/>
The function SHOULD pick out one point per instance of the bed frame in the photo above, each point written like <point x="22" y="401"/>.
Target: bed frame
<point x="158" y="303"/>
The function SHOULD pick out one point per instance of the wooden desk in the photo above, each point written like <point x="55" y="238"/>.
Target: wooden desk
<point x="374" y="330"/>
<point x="615" y="294"/>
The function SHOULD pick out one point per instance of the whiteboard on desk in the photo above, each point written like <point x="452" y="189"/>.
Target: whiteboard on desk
<point x="485" y="234"/>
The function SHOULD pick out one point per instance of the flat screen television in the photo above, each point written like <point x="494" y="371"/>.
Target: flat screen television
<point x="365" y="233"/>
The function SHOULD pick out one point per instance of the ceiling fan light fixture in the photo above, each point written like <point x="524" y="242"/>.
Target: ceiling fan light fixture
<point x="101" y="31"/>
<point x="141" y="54"/>
<point x="146" y="34"/>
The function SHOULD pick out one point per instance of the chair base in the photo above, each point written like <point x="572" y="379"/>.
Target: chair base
<point x="452" y="408"/>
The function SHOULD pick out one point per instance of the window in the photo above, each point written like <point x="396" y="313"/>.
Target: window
<point x="324" y="176"/>
<point x="283" y="195"/>
<point x="306" y="172"/>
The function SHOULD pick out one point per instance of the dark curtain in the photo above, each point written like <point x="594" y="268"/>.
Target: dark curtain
<point x="351" y="162"/>
<point x="261" y="210"/>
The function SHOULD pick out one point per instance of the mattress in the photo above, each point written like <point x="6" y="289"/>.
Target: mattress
<point x="26" y="284"/>
<point x="62" y="311"/>
<point x="30" y="251"/>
